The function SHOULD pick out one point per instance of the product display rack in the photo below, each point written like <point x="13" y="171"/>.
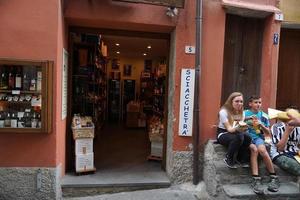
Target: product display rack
<point x="146" y="91"/>
<point x="158" y="95"/>
<point x="114" y="104"/>
<point x="89" y="81"/>
<point x="25" y="96"/>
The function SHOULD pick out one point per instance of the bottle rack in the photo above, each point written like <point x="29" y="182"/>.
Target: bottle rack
<point x="89" y="81"/>
<point x="24" y="91"/>
<point x="158" y="95"/>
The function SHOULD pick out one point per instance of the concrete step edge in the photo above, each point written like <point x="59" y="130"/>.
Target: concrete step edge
<point x="243" y="191"/>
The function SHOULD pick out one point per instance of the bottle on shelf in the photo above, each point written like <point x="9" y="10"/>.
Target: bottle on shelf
<point x="26" y="82"/>
<point x="11" y="80"/>
<point x="3" y="81"/>
<point x="21" y="121"/>
<point x="7" y="122"/>
<point x="32" y="86"/>
<point x="18" y="79"/>
<point x="27" y="118"/>
<point x="2" y="118"/>
<point x="39" y="81"/>
<point x="34" y="120"/>
<point x="14" y="120"/>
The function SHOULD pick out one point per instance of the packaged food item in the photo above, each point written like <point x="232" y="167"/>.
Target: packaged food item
<point x="76" y="121"/>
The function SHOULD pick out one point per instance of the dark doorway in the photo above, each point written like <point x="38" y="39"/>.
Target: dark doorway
<point x="288" y="91"/>
<point x="242" y="56"/>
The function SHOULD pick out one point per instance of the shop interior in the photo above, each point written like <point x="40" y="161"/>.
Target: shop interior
<point x="118" y="90"/>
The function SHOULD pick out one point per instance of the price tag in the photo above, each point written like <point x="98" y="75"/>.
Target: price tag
<point x="15" y="92"/>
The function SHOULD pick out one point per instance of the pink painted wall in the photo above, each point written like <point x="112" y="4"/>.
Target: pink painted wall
<point x="118" y="15"/>
<point x="269" y="63"/>
<point x="60" y="123"/>
<point x="36" y="30"/>
<point x="29" y="30"/>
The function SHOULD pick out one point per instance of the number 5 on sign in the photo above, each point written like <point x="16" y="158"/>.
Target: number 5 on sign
<point x="189" y="49"/>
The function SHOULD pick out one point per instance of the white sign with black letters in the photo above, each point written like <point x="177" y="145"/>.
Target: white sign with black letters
<point x="186" y="102"/>
<point x="64" y="88"/>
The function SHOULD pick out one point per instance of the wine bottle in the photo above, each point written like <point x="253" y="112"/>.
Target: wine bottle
<point x="11" y="80"/>
<point x="3" y="81"/>
<point x="26" y="82"/>
<point x="18" y="79"/>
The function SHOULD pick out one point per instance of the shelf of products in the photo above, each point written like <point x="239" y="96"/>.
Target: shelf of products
<point x="114" y="104"/>
<point x="158" y="95"/>
<point x="24" y="96"/>
<point x="128" y="95"/>
<point x="146" y="91"/>
<point x="89" y="80"/>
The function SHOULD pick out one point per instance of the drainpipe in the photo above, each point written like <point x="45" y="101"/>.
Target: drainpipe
<point x="196" y="121"/>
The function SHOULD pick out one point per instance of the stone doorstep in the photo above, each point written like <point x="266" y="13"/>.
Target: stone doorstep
<point x="244" y="191"/>
<point x="80" y="190"/>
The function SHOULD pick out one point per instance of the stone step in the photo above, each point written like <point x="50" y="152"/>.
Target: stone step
<point x="216" y="174"/>
<point x="243" y="175"/>
<point x="81" y="190"/>
<point x="287" y="191"/>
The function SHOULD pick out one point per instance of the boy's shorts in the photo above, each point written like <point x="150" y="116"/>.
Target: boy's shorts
<point x="258" y="141"/>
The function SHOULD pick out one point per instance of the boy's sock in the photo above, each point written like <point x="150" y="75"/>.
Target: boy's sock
<point x="273" y="174"/>
<point x="255" y="176"/>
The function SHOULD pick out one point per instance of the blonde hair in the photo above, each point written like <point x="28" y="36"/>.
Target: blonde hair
<point x="230" y="110"/>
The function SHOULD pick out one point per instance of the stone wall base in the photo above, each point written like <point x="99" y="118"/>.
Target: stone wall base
<point x="29" y="183"/>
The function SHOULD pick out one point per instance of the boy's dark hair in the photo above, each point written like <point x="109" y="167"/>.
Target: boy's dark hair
<point x="254" y="97"/>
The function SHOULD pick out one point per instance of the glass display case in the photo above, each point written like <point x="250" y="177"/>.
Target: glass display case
<point x="25" y="96"/>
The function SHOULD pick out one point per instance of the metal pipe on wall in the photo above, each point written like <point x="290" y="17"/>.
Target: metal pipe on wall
<point x="196" y="120"/>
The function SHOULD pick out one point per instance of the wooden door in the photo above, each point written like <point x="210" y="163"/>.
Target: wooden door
<point x="288" y="82"/>
<point x="242" y="56"/>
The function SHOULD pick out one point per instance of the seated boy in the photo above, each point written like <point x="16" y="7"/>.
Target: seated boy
<point x="258" y="123"/>
<point x="285" y="145"/>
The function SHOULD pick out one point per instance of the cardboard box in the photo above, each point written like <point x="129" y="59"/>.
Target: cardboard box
<point x="83" y="146"/>
<point x="156" y="149"/>
<point x="84" y="162"/>
<point x="132" y="119"/>
<point x="133" y="107"/>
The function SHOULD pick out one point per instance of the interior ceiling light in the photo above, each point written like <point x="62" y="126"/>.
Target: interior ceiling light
<point x="117" y="44"/>
<point x="144" y="54"/>
<point x="149" y="47"/>
<point x="118" y="52"/>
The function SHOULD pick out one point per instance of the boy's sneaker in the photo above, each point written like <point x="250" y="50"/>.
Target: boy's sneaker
<point x="229" y="163"/>
<point x="274" y="184"/>
<point x="257" y="186"/>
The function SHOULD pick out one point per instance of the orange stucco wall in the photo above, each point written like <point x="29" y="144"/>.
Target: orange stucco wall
<point x="37" y="30"/>
<point x="29" y="30"/>
<point x="269" y="63"/>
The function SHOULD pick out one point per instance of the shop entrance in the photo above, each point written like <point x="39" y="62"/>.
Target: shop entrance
<point x="118" y="83"/>
<point x="288" y="92"/>
<point x="242" y="56"/>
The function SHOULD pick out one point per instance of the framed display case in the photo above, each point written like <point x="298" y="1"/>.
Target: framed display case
<point x="25" y="96"/>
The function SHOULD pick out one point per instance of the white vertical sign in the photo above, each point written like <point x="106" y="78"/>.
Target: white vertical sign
<point x="64" y="88"/>
<point x="186" y="102"/>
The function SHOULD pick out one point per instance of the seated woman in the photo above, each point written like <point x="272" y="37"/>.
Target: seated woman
<point x="232" y="136"/>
